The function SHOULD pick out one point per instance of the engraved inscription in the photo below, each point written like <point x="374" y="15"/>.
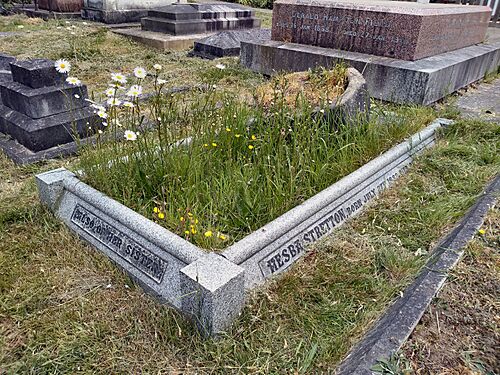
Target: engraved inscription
<point x="280" y="259"/>
<point x="346" y="25"/>
<point x="129" y="250"/>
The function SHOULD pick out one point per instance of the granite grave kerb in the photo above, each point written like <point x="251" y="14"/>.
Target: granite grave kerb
<point x="210" y="288"/>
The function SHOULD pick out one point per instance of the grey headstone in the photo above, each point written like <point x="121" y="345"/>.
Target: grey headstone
<point x="36" y="73"/>
<point x="43" y="101"/>
<point x="228" y="43"/>
<point x="39" y="109"/>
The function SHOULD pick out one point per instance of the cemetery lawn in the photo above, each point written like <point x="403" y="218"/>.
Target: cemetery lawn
<point x="64" y="308"/>
<point x="461" y="318"/>
<point x="95" y="52"/>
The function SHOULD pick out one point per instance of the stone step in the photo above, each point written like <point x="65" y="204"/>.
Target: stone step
<point x="44" y="101"/>
<point x="186" y="27"/>
<point x="201" y="11"/>
<point x="158" y="13"/>
<point x="41" y="134"/>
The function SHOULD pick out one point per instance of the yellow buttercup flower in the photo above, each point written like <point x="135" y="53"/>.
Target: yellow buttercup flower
<point x="186" y="232"/>
<point x="214" y="144"/>
<point x="222" y="237"/>
<point x="182" y="218"/>
<point x="250" y="147"/>
<point x="254" y="137"/>
<point x="156" y="210"/>
<point x="481" y="231"/>
<point x="228" y="129"/>
<point x="237" y="135"/>
<point x="208" y="233"/>
<point x="161" y="215"/>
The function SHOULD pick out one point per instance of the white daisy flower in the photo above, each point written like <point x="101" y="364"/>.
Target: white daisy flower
<point x="128" y="104"/>
<point x="130" y="135"/>
<point x="157" y="67"/>
<point x="73" y="81"/>
<point x="110" y="92"/>
<point x="114" y="102"/>
<point x="161" y="81"/>
<point x="100" y="131"/>
<point x="102" y="114"/>
<point x="118" y="77"/>
<point x="135" y="91"/>
<point x="104" y="124"/>
<point x="77" y="96"/>
<point x="140" y="72"/>
<point x="62" y="66"/>
<point x="97" y="106"/>
<point x="220" y="66"/>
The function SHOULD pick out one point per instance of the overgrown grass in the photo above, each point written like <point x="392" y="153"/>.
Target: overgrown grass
<point x="65" y="308"/>
<point x="245" y="165"/>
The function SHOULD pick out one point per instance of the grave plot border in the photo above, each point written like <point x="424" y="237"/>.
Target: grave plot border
<point x="210" y="288"/>
<point x="391" y="331"/>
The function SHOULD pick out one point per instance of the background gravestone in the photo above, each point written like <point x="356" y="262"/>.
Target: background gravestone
<point x="40" y="110"/>
<point x="119" y="11"/>
<point x="408" y="52"/>
<point x="178" y="26"/>
<point x="5" y="74"/>
<point x="61" y="5"/>
<point x="228" y="43"/>
<point x="401" y="30"/>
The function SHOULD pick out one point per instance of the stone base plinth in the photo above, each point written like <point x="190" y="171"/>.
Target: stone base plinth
<point x="418" y="82"/>
<point x="47" y="132"/>
<point x="49" y="15"/>
<point x="159" y="40"/>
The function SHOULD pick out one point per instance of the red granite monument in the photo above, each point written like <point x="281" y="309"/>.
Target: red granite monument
<point x="61" y="6"/>
<point x="401" y="30"/>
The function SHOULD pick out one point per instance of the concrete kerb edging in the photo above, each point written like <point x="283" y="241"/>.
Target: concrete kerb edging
<point x="392" y="330"/>
<point x="210" y="288"/>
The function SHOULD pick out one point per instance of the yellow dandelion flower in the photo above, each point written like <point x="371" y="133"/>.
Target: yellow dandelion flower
<point x="208" y="233"/>
<point x="182" y="218"/>
<point x="237" y="135"/>
<point x="214" y="144"/>
<point x="222" y="237"/>
<point x="196" y="221"/>
<point x="254" y="137"/>
<point x="205" y="145"/>
<point x="186" y="232"/>
<point x="161" y="215"/>
<point x="250" y="147"/>
<point x="228" y="129"/>
<point x="190" y="214"/>
<point x="481" y="231"/>
<point x="156" y="210"/>
<point x="194" y="231"/>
